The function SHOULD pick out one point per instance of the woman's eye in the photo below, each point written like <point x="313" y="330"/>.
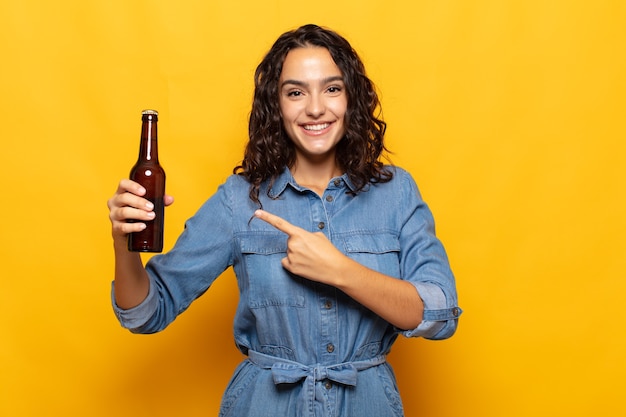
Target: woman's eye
<point x="334" y="89"/>
<point x="294" y="93"/>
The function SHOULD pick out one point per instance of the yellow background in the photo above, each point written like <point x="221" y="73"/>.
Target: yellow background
<point x="509" y="114"/>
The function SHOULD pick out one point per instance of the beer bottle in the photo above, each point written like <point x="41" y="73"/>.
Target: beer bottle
<point x="151" y="176"/>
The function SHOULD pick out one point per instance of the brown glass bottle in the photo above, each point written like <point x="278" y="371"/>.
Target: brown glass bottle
<point x="151" y="176"/>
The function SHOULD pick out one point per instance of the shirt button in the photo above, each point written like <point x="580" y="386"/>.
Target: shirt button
<point x="329" y="198"/>
<point x="337" y="182"/>
<point x="328" y="385"/>
<point x="328" y="304"/>
<point x="330" y="348"/>
<point x="321" y="225"/>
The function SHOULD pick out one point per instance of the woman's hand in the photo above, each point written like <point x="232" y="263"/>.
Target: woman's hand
<point x="309" y="255"/>
<point x="128" y="204"/>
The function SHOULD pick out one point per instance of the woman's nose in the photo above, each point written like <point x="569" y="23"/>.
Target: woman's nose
<point x="315" y="106"/>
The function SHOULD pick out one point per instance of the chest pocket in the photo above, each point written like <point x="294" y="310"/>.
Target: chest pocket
<point x="379" y="251"/>
<point x="267" y="283"/>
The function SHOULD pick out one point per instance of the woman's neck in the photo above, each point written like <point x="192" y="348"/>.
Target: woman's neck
<point x="315" y="176"/>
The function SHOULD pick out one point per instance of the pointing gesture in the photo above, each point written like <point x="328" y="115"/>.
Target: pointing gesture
<point x="310" y="255"/>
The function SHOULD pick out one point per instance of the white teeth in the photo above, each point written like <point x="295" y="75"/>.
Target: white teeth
<point x="316" y="127"/>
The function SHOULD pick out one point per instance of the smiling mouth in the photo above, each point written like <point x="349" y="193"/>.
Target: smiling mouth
<point x="316" y="127"/>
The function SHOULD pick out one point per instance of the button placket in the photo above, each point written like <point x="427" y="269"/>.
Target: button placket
<point x="322" y="208"/>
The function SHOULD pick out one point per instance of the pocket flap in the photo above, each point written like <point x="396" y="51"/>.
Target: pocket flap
<point x="379" y="242"/>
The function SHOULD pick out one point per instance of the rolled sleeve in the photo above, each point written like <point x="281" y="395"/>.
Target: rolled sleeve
<point x="437" y="314"/>
<point x="139" y="315"/>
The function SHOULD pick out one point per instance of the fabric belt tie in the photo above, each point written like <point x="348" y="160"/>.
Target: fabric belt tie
<point x="285" y="371"/>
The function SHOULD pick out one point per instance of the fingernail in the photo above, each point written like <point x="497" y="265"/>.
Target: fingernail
<point x="149" y="205"/>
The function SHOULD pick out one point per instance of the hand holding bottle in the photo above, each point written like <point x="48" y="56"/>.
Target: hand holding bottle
<point x="129" y="210"/>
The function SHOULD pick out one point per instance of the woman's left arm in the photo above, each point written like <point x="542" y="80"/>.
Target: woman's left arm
<point x="313" y="256"/>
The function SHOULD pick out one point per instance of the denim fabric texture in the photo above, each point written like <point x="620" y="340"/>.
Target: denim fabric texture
<point x="313" y="351"/>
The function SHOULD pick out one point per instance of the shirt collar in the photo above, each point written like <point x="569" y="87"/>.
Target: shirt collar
<point x="285" y="178"/>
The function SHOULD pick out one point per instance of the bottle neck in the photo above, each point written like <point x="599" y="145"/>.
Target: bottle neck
<point x="148" y="149"/>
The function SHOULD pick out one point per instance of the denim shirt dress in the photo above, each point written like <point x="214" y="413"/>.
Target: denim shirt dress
<point x="311" y="350"/>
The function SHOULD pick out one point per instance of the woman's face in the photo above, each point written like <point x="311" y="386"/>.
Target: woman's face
<point x="313" y="102"/>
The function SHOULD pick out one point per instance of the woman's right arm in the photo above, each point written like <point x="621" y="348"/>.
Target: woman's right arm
<point x="131" y="279"/>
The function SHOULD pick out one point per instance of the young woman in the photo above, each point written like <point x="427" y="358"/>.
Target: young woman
<point x="335" y="253"/>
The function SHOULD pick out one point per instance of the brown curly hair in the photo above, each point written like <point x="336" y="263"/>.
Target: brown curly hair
<point x="269" y="149"/>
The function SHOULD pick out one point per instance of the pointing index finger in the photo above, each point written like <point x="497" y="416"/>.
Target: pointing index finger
<point x="278" y="222"/>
